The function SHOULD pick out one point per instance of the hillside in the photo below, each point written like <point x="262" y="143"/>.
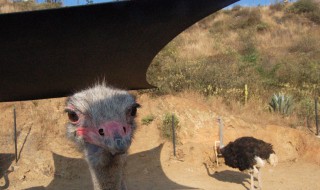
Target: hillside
<point x="271" y="49"/>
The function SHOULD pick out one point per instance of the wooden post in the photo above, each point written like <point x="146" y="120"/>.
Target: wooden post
<point x="15" y="133"/>
<point x="220" y="132"/>
<point x="317" y="116"/>
<point x="173" y="136"/>
<point x="245" y="94"/>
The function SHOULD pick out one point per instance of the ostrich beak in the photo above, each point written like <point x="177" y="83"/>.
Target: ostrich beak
<point x="116" y="136"/>
<point x="112" y="136"/>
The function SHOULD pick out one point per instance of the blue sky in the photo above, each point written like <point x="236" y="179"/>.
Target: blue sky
<point x="241" y="2"/>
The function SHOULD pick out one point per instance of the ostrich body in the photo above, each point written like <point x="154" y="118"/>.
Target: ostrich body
<point x="101" y="122"/>
<point x="250" y="154"/>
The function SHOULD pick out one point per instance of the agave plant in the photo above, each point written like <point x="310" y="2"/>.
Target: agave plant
<point x="281" y="103"/>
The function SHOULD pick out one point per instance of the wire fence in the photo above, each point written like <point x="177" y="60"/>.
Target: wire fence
<point x="34" y="121"/>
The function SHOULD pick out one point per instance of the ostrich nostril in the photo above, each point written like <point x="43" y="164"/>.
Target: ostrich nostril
<point x="101" y="132"/>
<point x="124" y="130"/>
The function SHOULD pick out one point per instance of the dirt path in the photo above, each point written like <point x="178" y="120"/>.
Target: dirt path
<point x="154" y="169"/>
<point x="178" y="175"/>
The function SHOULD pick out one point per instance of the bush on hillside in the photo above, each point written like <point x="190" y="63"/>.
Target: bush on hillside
<point x="166" y="127"/>
<point x="147" y="119"/>
<point x="278" y="6"/>
<point x="309" y="8"/>
<point x="245" y="18"/>
<point x="304" y="6"/>
<point x="306" y="111"/>
<point x="305" y="44"/>
<point x="315" y="16"/>
<point x="262" y="27"/>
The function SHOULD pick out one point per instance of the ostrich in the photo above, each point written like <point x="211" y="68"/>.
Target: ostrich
<point x="101" y="122"/>
<point x="250" y="154"/>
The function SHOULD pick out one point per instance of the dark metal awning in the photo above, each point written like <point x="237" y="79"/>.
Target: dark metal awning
<point x="52" y="53"/>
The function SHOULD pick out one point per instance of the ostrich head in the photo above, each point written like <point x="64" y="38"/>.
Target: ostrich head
<point x="102" y="118"/>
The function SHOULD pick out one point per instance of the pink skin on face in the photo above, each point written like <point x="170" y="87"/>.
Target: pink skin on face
<point x="108" y="130"/>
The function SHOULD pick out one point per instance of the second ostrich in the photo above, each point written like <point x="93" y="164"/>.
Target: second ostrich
<point x="101" y="122"/>
<point x="250" y="154"/>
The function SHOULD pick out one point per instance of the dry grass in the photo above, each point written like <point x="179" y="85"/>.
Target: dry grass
<point x="196" y="44"/>
<point x="247" y="46"/>
<point x="255" y="112"/>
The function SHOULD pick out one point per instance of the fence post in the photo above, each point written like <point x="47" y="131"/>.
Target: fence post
<point x="245" y="94"/>
<point x="220" y="132"/>
<point x="15" y="133"/>
<point x="173" y="136"/>
<point x="317" y="116"/>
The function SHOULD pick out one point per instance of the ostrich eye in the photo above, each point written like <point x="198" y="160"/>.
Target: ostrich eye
<point x="133" y="112"/>
<point x="73" y="116"/>
<point x="134" y="109"/>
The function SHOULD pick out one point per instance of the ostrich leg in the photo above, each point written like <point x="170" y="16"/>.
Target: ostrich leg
<point x="259" y="179"/>
<point x="251" y="180"/>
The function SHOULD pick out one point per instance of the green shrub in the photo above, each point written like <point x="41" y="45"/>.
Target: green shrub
<point x="305" y="44"/>
<point x="281" y="103"/>
<point x="245" y="18"/>
<point x="261" y="27"/>
<point x="314" y="16"/>
<point x="147" y="119"/>
<point x="306" y="111"/>
<point x="166" y="127"/>
<point x="304" y="6"/>
<point x="248" y="49"/>
<point x="309" y="8"/>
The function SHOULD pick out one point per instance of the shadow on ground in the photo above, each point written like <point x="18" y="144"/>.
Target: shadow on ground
<point x="230" y="177"/>
<point x="144" y="171"/>
<point x="145" y="168"/>
<point x="5" y="162"/>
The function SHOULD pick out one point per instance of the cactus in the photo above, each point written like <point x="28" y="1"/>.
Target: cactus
<point x="281" y="103"/>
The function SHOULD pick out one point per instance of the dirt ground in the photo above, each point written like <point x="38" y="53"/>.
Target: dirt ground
<point x="47" y="160"/>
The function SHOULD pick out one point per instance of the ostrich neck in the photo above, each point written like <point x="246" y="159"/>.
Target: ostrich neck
<point x="107" y="170"/>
